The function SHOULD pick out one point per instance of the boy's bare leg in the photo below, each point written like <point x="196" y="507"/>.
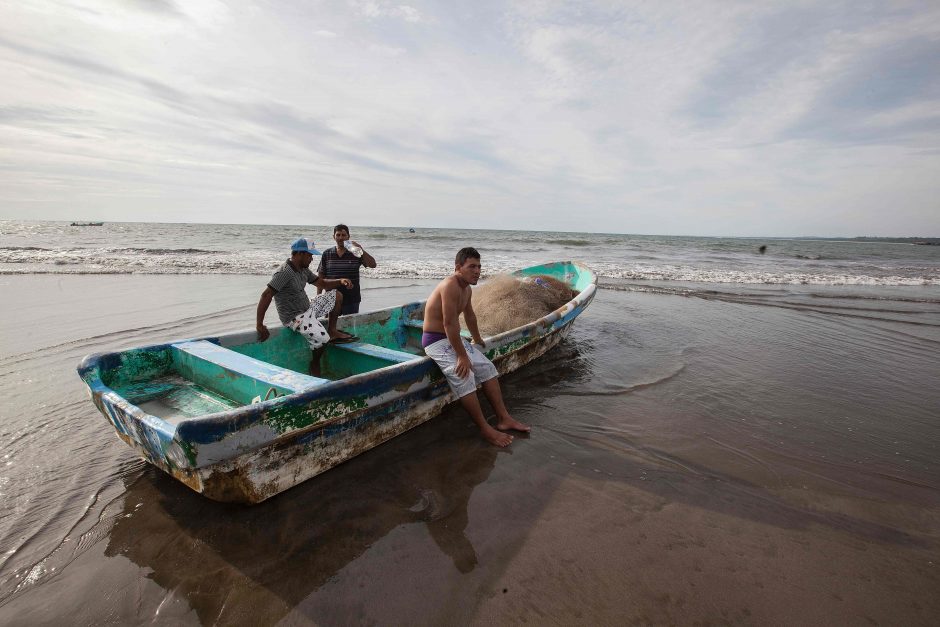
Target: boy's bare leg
<point x="495" y="396"/>
<point x="471" y="404"/>
<point x="334" y="315"/>
<point x="315" y="361"/>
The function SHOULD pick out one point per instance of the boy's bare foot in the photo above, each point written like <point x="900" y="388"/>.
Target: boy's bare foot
<point x="496" y="438"/>
<point x="511" y="423"/>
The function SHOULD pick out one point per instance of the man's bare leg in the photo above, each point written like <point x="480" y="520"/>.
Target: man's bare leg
<point x="471" y="404"/>
<point x="495" y="396"/>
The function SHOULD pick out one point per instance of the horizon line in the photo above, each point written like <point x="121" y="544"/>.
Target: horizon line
<point x="445" y="228"/>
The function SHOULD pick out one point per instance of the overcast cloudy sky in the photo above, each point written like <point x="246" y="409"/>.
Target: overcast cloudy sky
<point x="700" y="118"/>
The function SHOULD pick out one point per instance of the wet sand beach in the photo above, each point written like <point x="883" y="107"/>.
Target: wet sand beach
<point x="765" y="457"/>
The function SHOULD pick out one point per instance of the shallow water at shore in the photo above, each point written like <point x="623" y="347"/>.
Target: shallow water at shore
<point x="761" y="456"/>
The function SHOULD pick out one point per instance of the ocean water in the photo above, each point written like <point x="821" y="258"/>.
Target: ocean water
<point x="135" y="248"/>
<point x="724" y="437"/>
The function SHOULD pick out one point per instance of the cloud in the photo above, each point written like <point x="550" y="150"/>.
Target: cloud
<point x="76" y="60"/>
<point x="688" y="117"/>
<point x="379" y="9"/>
<point x="767" y="49"/>
<point x="407" y="13"/>
<point x="166" y="7"/>
<point x="828" y="72"/>
<point x="890" y="94"/>
<point x="25" y="117"/>
<point x="387" y="51"/>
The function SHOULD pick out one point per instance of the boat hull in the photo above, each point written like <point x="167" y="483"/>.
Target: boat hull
<point x="256" y="476"/>
<point x="254" y="452"/>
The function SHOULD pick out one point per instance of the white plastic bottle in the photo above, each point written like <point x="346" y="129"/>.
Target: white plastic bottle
<point x="355" y="250"/>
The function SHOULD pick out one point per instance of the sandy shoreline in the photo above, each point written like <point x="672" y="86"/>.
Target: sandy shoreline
<point x="670" y="563"/>
<point x="671" y="478"/>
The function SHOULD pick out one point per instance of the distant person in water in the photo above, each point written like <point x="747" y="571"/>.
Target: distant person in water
<point x="296" y="310"/>
<point x="462" y="363"/>
<point x="763" y="248"/>
<point x="343" y="263"/>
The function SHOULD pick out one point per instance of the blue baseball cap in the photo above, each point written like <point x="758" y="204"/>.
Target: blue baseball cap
<point x="303" y="245"/>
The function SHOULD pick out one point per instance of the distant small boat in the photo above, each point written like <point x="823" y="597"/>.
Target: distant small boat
<point x="87" y="224"/>
<point x="241" y="420"/>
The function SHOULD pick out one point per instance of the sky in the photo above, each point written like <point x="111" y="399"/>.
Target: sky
<point x="664" y="117"/>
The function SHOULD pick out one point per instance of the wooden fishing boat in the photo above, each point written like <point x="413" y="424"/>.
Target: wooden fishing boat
<point x="239" y="420"/>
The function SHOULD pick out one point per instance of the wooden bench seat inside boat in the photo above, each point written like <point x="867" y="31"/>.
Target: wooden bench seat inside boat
<point x="236" y="376"/>
<point x="379" y="352"/>
<point x="347" y="360"/>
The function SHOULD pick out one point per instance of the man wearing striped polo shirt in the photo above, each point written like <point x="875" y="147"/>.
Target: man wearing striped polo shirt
<point x="296" y="311"/>
<point x="342" y="262"/>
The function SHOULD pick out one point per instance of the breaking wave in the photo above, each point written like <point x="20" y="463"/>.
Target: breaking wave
<point x="690" y="274"/>
<point x="131" y="248"/>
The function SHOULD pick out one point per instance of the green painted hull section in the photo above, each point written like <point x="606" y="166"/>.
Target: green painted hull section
<point x="241" y="420"/>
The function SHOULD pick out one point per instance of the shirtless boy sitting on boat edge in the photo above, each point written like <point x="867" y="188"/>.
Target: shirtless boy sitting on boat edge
<point x="462" y="364"/>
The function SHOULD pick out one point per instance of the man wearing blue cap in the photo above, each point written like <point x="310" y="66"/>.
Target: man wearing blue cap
<point x="294" y="307"/>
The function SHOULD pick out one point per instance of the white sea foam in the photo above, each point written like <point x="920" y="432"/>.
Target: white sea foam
<point x="108" y="261"/>
<point x="724" y="275"/>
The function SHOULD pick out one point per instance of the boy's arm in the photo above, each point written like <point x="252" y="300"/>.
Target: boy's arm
<point x="450" y="302"/>
<point x="470" y="317"/>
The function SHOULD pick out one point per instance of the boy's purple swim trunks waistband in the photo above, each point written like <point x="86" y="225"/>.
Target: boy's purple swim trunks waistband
<point x="429" y="337"/>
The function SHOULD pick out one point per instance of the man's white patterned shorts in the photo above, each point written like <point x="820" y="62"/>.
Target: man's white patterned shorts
<point x="307" y="323"/>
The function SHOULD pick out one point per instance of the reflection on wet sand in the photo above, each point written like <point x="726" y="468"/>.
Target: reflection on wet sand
<point x="235" y="561"/>
<point x="232" y="562"/>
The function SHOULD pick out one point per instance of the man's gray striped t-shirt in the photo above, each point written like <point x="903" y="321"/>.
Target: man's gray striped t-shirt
<point x="290" y="297"/>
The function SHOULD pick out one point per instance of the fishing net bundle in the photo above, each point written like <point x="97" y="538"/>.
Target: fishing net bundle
<point x="505" y="302"/>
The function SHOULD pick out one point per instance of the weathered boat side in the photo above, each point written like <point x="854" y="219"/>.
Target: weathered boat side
<point x="250" y="453"/>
